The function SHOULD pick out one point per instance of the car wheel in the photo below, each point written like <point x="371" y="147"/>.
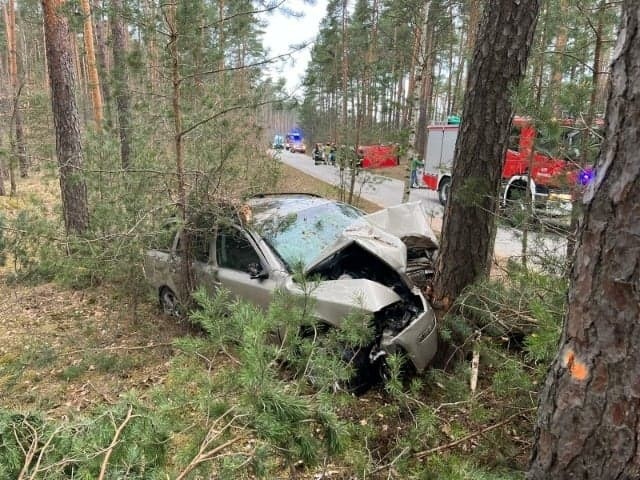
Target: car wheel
<point x="443" y="190"/>
<point x="169" y="303"/>
<point x="515" y="208"/>
<point x="365" y="374"/>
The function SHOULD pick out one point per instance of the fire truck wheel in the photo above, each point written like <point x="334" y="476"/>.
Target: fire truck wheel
<point x="443" y="190"/>
<point x="515" y="208"/>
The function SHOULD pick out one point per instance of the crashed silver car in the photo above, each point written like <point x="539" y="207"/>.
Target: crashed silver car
<point x="373" y="263"/>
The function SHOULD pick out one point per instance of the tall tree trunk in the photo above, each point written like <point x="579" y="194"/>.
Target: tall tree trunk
<point x="457" y="86"/>
<point x="221" y="37"/>
<point x="540" y="59"/>
<point x="92" y="69"/>
<point x="371" y="66"/>
<point x="556" y="69"/>
<point x="188" y="280"/>
<point x="451" y="71"/>
<point x="65" y="117"/>
<point x="499" y="63"/>
<point x="19" y="148"/>
<point x="475" y="9"/>
<point x="415" y="101"/>
<point x="121" y="81"/>
<point x="411" y="87"/>
<point x="589" y="411"/>
<point x="79" y="76"/>
<point x="152" y="50"/>
<point x="426" y="93"/>
<point x="576" y="208"/>
<point x="603" y="77"/>
<point x="101" y="59"/>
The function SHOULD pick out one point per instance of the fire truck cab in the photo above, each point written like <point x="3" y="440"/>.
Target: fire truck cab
<point x="549" y="178"/>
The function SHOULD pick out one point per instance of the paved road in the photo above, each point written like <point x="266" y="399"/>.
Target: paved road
<point x="387" y="192"/>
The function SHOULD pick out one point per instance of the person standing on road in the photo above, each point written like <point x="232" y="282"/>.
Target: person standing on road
<point x="327" y="152"/>
<point x="415" y="164"/>
<point x="317" y="154"/>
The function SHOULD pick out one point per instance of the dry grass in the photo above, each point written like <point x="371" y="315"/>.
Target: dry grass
<point x="399" y="172"/>
<point x="293" y="180"/>
<point x="36" y="192"/>
<point x="65" y="351"/>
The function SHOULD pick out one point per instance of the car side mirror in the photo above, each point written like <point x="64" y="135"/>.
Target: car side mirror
<point x="257" y="272"/>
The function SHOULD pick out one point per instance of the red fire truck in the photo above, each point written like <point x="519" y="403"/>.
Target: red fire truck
<point x="378" y="156"/>
<point x="551" y="179"/>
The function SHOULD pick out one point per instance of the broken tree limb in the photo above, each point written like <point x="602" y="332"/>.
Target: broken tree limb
<point x="114" y="442"/>
<point x="440" y="448"/>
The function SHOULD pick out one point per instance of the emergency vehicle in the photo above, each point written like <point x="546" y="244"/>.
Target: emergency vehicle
<point x="552" y="180"/>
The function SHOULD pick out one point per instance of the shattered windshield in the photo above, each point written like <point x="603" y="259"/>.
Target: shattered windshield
<point x="299" y="237"/>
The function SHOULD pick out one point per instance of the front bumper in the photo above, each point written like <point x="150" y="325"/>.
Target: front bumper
<point x="419" y="339"/>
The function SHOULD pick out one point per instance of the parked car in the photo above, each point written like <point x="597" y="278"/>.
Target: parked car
<point x="373" y="263"/>
<point x="298" y="146"/>
<point x="278" y="142"/>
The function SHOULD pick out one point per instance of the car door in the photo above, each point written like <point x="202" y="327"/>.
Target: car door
<point x="237" y="261"/>
<point x="204" y="269"/>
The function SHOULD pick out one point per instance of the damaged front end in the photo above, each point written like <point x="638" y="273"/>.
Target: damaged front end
<point x="404" y="322"/>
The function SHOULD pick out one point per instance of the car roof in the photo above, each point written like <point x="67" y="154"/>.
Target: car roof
<point x="264" y="206"/>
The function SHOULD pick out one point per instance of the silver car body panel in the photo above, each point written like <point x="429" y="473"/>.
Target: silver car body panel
<point x="380" y="233"/>
<point x="380" y="243"/>
<point x="404" y="220"/>
<point x="334" y="299"/>
<point x="419" y="339"/>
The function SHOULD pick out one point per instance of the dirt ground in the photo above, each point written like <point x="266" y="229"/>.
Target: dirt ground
<point x="293" y="180"/>
<point x="65" y="350"/>
<point x="399" y="172"/>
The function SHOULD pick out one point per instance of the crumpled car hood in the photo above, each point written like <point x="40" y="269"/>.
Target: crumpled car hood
<point x="335" y="299"/>
<point x="380" y="233"/>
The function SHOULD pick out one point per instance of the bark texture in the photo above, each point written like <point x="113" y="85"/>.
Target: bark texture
<point x="588" y="423"/>
<point x="121" y="81"/>
<point x="422" y="39"/>
<point x="19" y="145"/>
<point x="499" y="63"/>
<point x="92" y="69"/>
<point x="65" y="118"/>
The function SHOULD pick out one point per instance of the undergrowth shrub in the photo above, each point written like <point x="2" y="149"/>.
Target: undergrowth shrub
<point x="75" y="448"/>
<point x="523" y="310"/>
<point x="280" y="380"/>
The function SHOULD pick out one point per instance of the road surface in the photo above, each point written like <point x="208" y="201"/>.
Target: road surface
<point x="388" y="191"/>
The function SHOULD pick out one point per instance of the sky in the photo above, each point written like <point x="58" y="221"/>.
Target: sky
<point x="282" y="31"/>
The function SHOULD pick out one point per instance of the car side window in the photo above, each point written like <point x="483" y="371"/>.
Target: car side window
<point x="200" y="243"/>
<point x="200" y="246"/>
<point x="234" y="251"/>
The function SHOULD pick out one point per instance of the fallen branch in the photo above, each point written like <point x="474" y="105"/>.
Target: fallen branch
<point x="28" y="458"/>
<point x="391" y="464"/>
<point x="424" y="453"/>
<point x="114" y="442"/>
<point x="204" y="453"/>
<point x="121" y="347"/>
